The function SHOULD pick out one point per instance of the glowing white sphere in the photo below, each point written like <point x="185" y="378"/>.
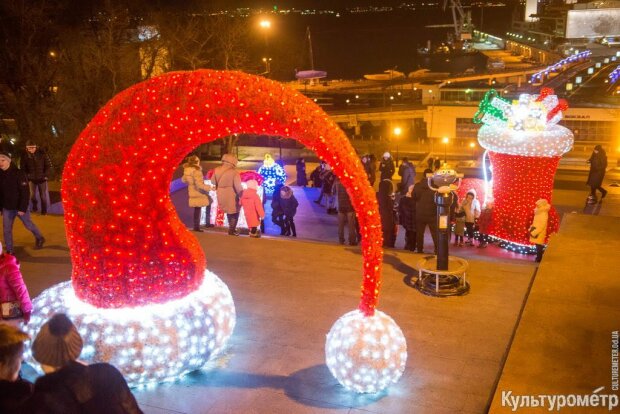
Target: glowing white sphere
<point x="552" y="142"/>
<point x="366" y="353"/>
<point x="152" y="343"/>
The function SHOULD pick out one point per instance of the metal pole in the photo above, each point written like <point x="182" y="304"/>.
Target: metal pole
<point x="443" y="201"/>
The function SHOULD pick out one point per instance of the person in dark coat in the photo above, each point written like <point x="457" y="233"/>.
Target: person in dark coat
<point x="425" y="212"/>
<point x="406" y="216"/>
<point x="346" y="215"/>
<point x="328" y="177"/>
<point x="277" y="215"/>
<point x="289" y="205"/>
<point x="315" y="175"/>
<point x="366" y="165"/>
<point x="372" y="168"/>
<point x="386" y="167"/>
<point x="300" y="166"/>
<point x="407" y="173"/>
<point x="38" y="167"/>
<point x="598" y="167"/>
<point x="69" y="386"/>
<point x="437" y="164"/>
<point x="14" y="197"/>
<point x="385" y="198"/>
<point x="14" y="391"/>
<point x="431" y="163"/>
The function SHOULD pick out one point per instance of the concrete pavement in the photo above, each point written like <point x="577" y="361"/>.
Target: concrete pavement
<point x="288" y="295"/>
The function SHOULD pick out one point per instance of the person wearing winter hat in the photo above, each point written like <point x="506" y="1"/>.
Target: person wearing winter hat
<point x="70" y="386"/>
<point x="227" y="181"/>
<point x="37" y="166"/>
<point x="14" y="198"/>
<point x="14" y="391"/>
<point x="197" y="190"/>
<point x="289" y="205"/>
<point x="252" y="207"/>
<point x="538" y="230"/>
<point x="14" y="297"/>
<point x="386" y="167"/>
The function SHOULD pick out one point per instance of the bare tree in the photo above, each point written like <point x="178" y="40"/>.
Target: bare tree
<point x="28" y="66"/>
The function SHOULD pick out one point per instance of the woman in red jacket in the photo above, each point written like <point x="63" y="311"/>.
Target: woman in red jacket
<point x="14" y="297"/>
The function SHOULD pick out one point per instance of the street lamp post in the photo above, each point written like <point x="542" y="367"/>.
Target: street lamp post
<point x="397" y="131"/>
<point x="267" y="62"/>
<point x="472" y="146"/>
<point x="445" y="141"/>
<point x="265" y="26"/>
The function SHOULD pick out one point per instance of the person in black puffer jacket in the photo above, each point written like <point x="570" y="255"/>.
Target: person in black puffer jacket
<point x="70" y="387"/>
<point x="425" y="211"/>
<point x="346" y="214"/>
<point x="385" y="198"/>
<point x="289" y="205"/>
<point x="38" y="167"/>
<point x="406" y="215"/>
<point x="14" y="195"/>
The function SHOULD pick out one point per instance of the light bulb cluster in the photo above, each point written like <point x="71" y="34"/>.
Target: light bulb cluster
<point x="527" y="126"/>
<point x="129" y="249"/>
<point x="366" y="354"/>
<point x="150" y="343"/>
<point x="518" y="182"/>
<point x="525" y="145"/>
<point x="614" y="75"/>
<point x="272" y="174"/>
<point x="586" y="54"/>
<point x="128" y="246"/>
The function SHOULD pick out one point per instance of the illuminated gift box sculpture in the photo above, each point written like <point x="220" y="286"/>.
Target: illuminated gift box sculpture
<point x="140" y="293"/>
<point x="525" y="145"/>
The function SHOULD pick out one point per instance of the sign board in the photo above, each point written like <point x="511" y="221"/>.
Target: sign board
<point x="592" y="23"/>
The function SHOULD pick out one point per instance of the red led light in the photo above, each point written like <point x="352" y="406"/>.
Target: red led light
<point x="518" y="182"/>
<point x="151" y="127"/>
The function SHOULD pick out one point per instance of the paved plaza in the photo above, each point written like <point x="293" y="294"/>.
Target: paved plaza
<point x="288" y="293"/>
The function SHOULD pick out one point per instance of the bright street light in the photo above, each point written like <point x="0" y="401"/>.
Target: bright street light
<point x="267" y="62"/>
<point x="445" y="141"/>
<point x="265" y="24"/>
<point x="472" y="146"/>
<point x="397" y="131"/>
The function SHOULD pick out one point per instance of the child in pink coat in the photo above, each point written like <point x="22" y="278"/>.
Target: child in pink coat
<point x="13" y="290"/>
<point x="252" y="207"/>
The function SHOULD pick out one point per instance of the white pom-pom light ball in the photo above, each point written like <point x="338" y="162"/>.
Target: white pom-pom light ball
<point x="366" y="353"/>
<point x="151" y="343"/>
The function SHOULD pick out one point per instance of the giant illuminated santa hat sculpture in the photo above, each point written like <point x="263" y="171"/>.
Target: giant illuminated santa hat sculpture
<point x="525" y="144"/>
<point x="140" y="292"/>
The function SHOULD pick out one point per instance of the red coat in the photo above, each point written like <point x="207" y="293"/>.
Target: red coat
<point x="252" y="207"/>
<point x="12" y="286"/>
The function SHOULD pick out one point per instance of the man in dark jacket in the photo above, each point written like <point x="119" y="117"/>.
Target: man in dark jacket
<point x="407" y="174"/>
<point x="425" y="212"/>
<point x="37" y="166"/>
<point x="346" y="215"/>
<point x="14" y="195"/>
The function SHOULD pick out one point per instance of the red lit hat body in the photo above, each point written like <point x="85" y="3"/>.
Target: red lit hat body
<point x="128" y="246"/>
<point x="525" y="145"/>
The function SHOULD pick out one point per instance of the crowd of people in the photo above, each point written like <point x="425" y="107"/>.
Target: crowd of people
<point x="407" y="203"/>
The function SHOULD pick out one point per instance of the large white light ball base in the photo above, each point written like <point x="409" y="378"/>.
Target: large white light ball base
<point x="152" y="343"/>
<point x="366" y="353"/>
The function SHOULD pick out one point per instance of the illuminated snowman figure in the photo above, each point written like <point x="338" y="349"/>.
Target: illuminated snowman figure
<point x="272" y="174"/>
<point x="524" y="143"/>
